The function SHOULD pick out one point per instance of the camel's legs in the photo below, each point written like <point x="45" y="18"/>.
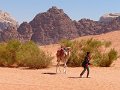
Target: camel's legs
<point x="58" y="66"/>
<point x="65" y="67"/>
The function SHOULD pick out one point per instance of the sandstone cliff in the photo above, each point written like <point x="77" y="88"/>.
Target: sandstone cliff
<point x="52" y="26"/>
<point x="25" y="32"/>
<point x="109" y="17"/>
<point x="8" y="27"/>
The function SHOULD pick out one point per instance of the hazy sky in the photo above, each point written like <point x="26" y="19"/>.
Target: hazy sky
<point x="25" y="10"/>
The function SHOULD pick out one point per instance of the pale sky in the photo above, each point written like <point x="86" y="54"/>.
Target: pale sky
<point x="25" y="10"/>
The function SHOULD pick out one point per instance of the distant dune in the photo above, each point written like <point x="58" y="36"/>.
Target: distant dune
<point x="114" y="37"/>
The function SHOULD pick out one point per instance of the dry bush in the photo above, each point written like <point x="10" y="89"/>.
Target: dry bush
<point x="98" y="57"/>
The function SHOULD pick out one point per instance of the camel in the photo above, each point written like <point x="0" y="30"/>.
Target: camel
<point x="62" y="56"/>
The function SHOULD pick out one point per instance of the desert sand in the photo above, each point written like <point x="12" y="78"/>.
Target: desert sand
<point x="101" y="78"/>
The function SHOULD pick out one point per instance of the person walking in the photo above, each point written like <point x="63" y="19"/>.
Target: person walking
<point x="85" y="64"/>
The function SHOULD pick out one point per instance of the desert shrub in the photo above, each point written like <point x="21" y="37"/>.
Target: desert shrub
<point x="107" y="44"/>
<point x="23" y="54"/>
<point x="99" y="58"/>
<point x="76" y="54"/>
<point x="11" y="48"/>
<point x="31" y="56"/>
<point x="79" y="49"/>
<point x="113" y="54"/>
<point x="108" y="58"/>
<point x="2" y="54"/>
<point x="75" y="59"/>
<point x="65" y="42"/>
<point x="8" y="52"/>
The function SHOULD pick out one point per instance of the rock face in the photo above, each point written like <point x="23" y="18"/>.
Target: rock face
<point x="6" y="20"/>
<point x="109" y="17"/>
<point x="87" y="27"/>
<point x="8" y="34"/>
<point x="51" y="26"/>
<point x="25" y="32"/>
<point x="90" y="27"/>
<point x="8" y="27"/>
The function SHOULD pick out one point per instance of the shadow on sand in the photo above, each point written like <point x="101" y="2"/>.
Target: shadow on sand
<point x="78" y="77"/>
<point x="50" y="73"/>
<point x="74" y="77"/>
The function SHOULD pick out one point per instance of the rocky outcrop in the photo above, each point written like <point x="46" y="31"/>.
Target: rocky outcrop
<point x="52" y="26"/>
<point x="8" y="27"/>
<point x="87" y="27"/>
<point x="90" y="27"/>
<point x="7" y="20"/>
<point x="25" y="32"/>
<point x="109" y="17"/>
<point x="8" y="34"/>
<point x="113" y="25"/>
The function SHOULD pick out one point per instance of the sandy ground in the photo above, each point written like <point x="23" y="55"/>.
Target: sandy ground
<point x="47" y="79"/>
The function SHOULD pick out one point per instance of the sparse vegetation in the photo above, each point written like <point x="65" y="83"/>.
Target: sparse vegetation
<point x="2" y="53"/>
<point x="101" y="53"/>
<point x="8" y="52"/>
<point x="31" y="56"/>
<point x="23" y="54"/>
<point x="108" y="58"/>
<point x="65" y="42"/>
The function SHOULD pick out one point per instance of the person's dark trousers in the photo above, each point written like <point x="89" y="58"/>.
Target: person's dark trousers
<point x="85" y="68"/>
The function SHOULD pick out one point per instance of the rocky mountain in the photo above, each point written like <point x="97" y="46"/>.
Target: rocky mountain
<point x="52" y="26"/>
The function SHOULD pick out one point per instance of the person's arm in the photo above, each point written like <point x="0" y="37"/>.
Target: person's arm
<point x="89" y="58"/>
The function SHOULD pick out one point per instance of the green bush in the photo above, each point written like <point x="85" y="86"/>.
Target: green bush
<point x="2" y="54"/>
<point x="108" y="58"/>
<point x="98" y="57"/>
<point x="65" y="42"/>
<point x="31" y="56"/>
<point x="79" y="49"/>
<point x="107" y="44"/>
<point x="11" y="50"/>
<point x="76" y="54"/>
<point x="23" y="54"/>
<point x="8" y="52"/>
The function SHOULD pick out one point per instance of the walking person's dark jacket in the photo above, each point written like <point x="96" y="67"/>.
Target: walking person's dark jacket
<point x="85" y="63"/>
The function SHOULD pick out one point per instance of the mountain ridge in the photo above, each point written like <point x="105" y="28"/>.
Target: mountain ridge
<point x="53" y="25"/>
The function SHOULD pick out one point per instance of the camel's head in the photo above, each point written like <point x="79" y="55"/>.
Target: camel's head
<point x="68" y="48"/>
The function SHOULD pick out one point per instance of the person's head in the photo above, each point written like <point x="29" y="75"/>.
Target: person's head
<point x="88" y="53"/>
